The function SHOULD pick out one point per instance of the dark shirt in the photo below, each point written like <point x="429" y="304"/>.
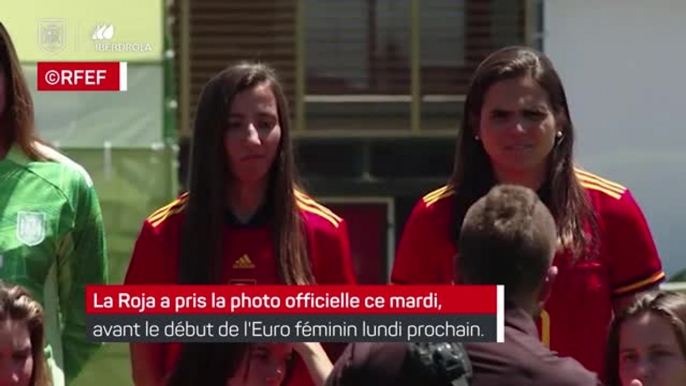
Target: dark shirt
<point x="523" y="360"/>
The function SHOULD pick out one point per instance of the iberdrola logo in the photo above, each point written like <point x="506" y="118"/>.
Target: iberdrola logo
<point x="102" y="40"/>
<point x="103" y="32"/>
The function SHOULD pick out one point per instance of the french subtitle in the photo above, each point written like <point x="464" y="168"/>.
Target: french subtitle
<point x="142" y="303"/>
<point x="294" y="313"/>
<point x="291" y="328"/>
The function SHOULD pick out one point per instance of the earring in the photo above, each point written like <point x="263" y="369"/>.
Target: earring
<point x="476" y="138"/>
<point x="558" y="138"/>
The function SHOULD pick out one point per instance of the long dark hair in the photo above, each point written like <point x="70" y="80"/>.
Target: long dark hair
<point x="18" y="126"/>
<point x="18" y="305"/>
<point x="201" y="248"/>
<point x="473" y="174"/>
<point x="667" y="304"/>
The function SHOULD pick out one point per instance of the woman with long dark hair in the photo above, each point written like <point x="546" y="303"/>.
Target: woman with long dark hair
<point x="517" y="129"/>
<point x="52" y="238"/>
<point x="244" y="219"/>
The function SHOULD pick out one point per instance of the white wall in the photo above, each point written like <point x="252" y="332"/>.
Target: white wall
<point x="623" y="63"/>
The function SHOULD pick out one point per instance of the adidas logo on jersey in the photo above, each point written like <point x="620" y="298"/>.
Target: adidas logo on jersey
<point x="243" y="262"/>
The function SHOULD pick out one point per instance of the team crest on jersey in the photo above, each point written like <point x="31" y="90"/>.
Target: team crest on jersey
<point x="31" y="227"/>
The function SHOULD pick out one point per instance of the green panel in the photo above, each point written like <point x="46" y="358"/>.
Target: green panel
<point x="130" y="185"/>
<point x="48" y="30"/>
<point x="90" y="119"/>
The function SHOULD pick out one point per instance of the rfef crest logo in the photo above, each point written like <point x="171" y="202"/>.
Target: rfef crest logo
<point x="31" y="227"/>
<point x="52" y="35"/>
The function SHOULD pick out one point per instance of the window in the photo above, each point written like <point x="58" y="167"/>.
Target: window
<point x="359" y="59"/>
<point x="357" y="65"/>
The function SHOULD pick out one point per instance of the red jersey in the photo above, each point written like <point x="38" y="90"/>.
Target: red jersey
<point x="579" y="310"/>
<point x="248" y="255"/>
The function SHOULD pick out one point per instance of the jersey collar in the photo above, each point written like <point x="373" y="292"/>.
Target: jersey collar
<point x="261" y="217"/>
<point x="16" y="155"/>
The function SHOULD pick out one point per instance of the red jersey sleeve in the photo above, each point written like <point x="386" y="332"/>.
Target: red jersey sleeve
<point x="634" y="262"/>
<point x="147" y="265"/>
<point x="330" y="251"/>
<point x="154" y="262"/>
<point x="329" y="246"/>
<point x="336" y="250"/>
<point x="426" y="250"/>
<point x="156" y="249"/>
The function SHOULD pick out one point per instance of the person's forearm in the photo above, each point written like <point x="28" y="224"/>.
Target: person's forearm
<point x="317" y="362"/>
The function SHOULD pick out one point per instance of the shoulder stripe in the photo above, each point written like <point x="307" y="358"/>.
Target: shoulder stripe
<point x="320" y="213"/>
<point x="435" y="199"/>
<point x="602" y="181"/>
<point x="157" y="222"/>
<point x="594" y="176"/>
<point x="163" y="209"/>
<point x="300" y="196"/>
<point x="640" y="284"/>
<point x="181" y="201"/>
<point x="545" y="328"/>
<point x="435" y="193"/>
<point x="592" y="186"/>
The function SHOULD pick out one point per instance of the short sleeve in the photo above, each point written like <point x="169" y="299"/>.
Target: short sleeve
<point x="87" y="265"/>
<point x="425" y="252"/>
<point x="147" y="265"/>
<point x="343" y="268"/>
<point x="634" y="261"/>
<point x="334" y="262"/>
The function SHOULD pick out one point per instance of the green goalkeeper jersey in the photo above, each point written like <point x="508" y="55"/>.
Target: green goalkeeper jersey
<point x="52" y="243"/>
